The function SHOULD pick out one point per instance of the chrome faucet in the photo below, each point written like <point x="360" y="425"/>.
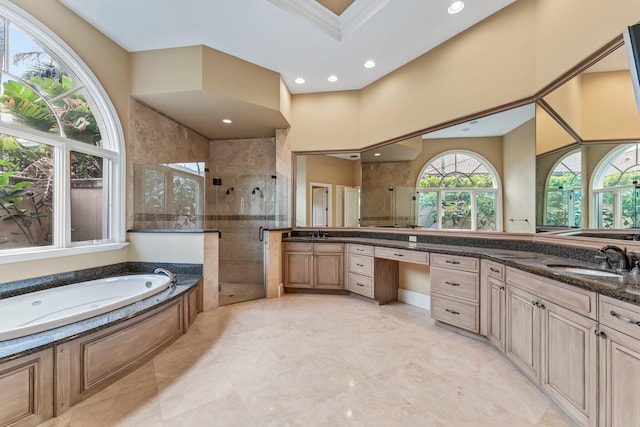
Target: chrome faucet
<point x="622" y="263"/>
<point x="173" y="280"/>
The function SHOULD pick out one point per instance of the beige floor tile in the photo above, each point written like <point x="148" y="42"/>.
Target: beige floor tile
<point x="320" y="360"/>
<point x="224" y="412"/>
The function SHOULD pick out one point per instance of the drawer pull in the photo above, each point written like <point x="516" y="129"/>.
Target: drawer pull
<point x="452" y="311"/>
<point x="495" y="270"/>
<point x="452" y="283"/>
<point x="360" y="265"/>
<point x="360" y="284"/>
<point x="452" y="262"/>
<point x="624" y="319"/>
<point x="398" y="254"/>
<point x="359" y="249"/>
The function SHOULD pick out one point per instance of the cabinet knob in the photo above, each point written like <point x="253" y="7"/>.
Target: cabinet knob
<point x="501" y="288"/>
<point x="599" y="333"/>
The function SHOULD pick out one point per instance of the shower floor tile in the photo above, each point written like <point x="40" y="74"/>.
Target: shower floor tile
<point x="232" y="293"/>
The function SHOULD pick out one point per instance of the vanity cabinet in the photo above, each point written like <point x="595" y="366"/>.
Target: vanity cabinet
<point x="455" y="291"/>
<point x="492" y="319"/>
<point x="619" y="362"/>
<point x="372" y="276"/>
<point x="314" y="265"/>
<point x="550" y="336"/>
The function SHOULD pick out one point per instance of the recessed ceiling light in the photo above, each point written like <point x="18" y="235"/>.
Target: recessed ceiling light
<point x="299" y="80"/>
<point x="227" y="121"/>
<point x="466" y="129"/>
<point x="332" y="78"/>
<point x="455" y="7"/>
<point x="377" y="154"/>
<point x="370" y="63"/>
<point x="473" y="122"/>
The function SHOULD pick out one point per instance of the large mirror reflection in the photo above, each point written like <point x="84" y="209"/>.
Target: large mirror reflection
<point x="453" y="178"/>
<point x="587" y="158"/>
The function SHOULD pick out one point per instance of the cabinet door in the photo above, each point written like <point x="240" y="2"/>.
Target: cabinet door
<point x="329" y="271"/>
<point x="619" y="379"/>
<point x="569" y="366"/>
<point x="298" y="268"/>
<point x="496" y="309"/>
<point x="523" y="331"/>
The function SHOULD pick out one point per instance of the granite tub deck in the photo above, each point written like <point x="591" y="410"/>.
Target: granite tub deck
<point x="626" y="288"/>
<point x="188" y="277"/>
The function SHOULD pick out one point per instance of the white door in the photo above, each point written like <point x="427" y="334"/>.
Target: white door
<point x="351" y="207"/>
<point x="319" y="207"/>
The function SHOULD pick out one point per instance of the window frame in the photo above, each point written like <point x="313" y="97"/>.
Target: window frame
<point x="497" y="189"/>
<point x="112" y="150"/>
<point x="547" y="188"/>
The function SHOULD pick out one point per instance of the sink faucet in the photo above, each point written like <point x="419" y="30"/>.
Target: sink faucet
<point x="173" y="280"/>
<point x="622" y="264"/>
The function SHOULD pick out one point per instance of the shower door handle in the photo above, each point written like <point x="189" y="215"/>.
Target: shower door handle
<point x="260" y="234"/>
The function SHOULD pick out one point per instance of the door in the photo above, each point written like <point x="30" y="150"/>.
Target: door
<point x="568" y="368"/>
<point x="523" y="331"/>
<point x="351" y="207"/>
<point x="496" y="307"/>
<point x="319" y="206"/>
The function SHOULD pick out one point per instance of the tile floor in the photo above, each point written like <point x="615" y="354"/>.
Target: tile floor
<point x="320" y="360"/>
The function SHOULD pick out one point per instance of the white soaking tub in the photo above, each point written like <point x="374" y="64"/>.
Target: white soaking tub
<point x="50" y="308"/>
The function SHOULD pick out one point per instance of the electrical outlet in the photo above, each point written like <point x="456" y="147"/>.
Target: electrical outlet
<point x="413" y="239"/>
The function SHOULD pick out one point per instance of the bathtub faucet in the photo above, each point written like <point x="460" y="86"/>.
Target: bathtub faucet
<point x="172" y="277"/>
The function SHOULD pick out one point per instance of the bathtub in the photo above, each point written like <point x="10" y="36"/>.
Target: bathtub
<point x="47" y="309"/>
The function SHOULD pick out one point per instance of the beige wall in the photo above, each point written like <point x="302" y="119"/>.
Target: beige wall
<point x="518" y="179"/>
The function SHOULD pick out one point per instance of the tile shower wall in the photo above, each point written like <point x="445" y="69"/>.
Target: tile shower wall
<point x="383" y="205"/>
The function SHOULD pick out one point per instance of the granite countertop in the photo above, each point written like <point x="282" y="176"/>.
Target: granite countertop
<point x="14" y="348"/>
<point x="625" y="288"/>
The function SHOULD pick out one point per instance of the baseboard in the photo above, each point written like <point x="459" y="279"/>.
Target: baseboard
<point x="414" y="298"/>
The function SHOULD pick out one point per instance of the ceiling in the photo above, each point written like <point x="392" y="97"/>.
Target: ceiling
<point x="296" y="38"/>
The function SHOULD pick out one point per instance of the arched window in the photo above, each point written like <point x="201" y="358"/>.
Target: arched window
<point x="458" y="190"/>
<point x="615" y="186"/>
<point x="61" y="156"/>
<point x="563" y="192"/>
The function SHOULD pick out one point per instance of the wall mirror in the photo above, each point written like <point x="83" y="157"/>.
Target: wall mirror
<point x="377" y="187"/>
<point x="587" y="157"/>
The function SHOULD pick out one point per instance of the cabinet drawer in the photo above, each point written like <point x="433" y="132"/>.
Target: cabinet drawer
<point x="361" y="265"/>
<point x="624" y="318"/>
<point x="579" y="300"/>
<point x="360" y="284"/>
<point x="328" y="247"/>
<point x="464" y="315"/>
<point x="455" y="261"/>
<point x="459" y="284"/>
<point x="493" y="269"/>
<point x="403" y="255"/>
<point x="298" y="247"/>
<point x="361" y="250"/>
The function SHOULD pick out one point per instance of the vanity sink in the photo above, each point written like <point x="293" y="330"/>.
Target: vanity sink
<point x="583" y="270"/>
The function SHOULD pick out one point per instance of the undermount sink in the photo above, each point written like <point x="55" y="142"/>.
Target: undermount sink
<point x="583" y="270"/>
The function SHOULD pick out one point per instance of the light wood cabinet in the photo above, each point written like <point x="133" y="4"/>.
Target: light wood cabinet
<point x="496" y="306"/>
<point x="370" y="276"/>
<point x="619" y="363"/>
<point x="455" y="291"/>
<point x="314" y="265"/>
<point x="26" y="390"/>
<point x="555" y="346"/>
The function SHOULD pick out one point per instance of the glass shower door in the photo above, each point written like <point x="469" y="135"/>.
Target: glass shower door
<point x="244" y="203"/>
